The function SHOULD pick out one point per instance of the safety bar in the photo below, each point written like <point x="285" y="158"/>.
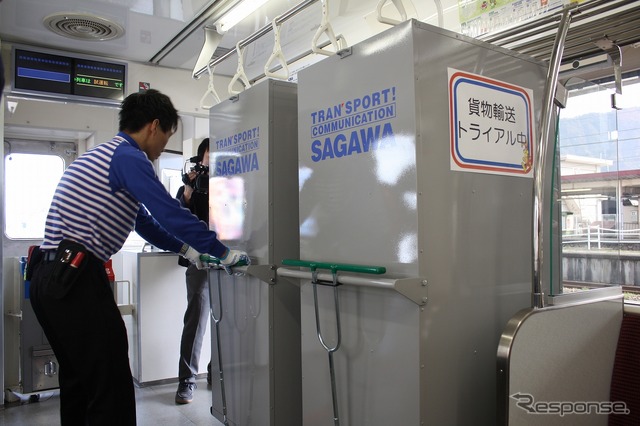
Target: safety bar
<point x="415" y="289"/>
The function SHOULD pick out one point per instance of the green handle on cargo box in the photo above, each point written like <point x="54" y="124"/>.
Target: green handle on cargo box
<point x="210" y="259"/>
<point x="335" y="267"/>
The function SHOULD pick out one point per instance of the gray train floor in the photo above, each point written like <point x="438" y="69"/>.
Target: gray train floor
<point x="155" y="406"/>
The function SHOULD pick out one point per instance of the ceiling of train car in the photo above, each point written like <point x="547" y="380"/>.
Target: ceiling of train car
<point x="171" y="32"/>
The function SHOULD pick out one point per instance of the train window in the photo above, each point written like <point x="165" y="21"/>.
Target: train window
<point x="30" y="180"/>
<point x="599" y="154"/>
<point x="170" y="166"/>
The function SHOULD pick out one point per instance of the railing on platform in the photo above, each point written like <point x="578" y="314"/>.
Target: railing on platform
<point x="597" y="236"/>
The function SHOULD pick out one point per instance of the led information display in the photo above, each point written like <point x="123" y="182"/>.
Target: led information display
<point x="49" y="73"/>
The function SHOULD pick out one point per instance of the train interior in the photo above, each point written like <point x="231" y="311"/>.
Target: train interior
<point x="440" y="198"/>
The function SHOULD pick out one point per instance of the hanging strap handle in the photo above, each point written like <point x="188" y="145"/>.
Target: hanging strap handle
<point x="210" y="90"/>
<point x="399" y="6"/>
<point x="325" y="27"/>
<point x="277" y="54"/>
<point x="240" y="74"/>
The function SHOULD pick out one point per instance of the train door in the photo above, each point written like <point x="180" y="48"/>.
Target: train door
<point x="33" y="163"/>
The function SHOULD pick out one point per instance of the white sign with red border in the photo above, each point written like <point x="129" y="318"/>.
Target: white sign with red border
<point x="491" y="125"/>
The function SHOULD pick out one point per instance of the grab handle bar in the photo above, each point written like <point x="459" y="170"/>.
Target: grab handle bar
<point x="414" y="288"/>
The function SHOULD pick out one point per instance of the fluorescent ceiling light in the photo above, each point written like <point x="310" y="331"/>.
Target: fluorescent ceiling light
<point x="240" y="11"/>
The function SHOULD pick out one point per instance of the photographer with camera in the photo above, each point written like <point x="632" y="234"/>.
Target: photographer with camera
<point x="194" y="195"/>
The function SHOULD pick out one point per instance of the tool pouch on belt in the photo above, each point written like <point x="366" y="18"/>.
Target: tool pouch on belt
<point x="34" y="257"/>
<point x="69" y="263"/>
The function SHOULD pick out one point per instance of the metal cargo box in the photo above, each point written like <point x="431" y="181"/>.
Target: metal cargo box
<point x="253" y="201"/>
<point x="416" y="151"/>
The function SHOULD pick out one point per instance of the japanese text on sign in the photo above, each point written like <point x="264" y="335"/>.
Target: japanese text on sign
<point x="490" y="124"/>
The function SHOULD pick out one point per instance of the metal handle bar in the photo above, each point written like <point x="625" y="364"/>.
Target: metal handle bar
<point x="415" y="289"/>
<point x="387" y="283"/>
<point x="216" y="322"/>
<point x="330" y="349"/>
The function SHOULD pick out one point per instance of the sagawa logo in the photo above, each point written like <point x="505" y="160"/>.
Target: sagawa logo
<point x="526" y="402"/>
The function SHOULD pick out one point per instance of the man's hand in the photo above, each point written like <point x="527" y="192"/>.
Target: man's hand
<point x="194" y="257"/>
<point x="234" y="258"/>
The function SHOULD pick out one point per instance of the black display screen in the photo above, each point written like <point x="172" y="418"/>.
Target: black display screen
<point x="87" y="78"/>
<point x="43" y="72"/>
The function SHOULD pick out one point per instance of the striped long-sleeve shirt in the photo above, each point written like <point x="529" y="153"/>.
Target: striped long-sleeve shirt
<point x="111" y="190"/>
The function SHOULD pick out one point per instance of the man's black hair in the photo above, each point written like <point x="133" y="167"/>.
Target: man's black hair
<point x="204" y="145"/>
<point x="138" y="109"/>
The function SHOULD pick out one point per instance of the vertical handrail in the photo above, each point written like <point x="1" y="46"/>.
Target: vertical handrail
<point x="537" y="295"/>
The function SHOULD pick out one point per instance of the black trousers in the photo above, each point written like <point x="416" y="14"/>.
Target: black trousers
<point x="88" y="336"/>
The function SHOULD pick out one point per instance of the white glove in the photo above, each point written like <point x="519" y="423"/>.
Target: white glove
<point x="194" y="257"/>
<point x="234" y="258"/>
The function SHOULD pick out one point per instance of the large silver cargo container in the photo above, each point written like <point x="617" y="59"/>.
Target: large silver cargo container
<point x="416" y="149"/>
<point x="253" y="201"/>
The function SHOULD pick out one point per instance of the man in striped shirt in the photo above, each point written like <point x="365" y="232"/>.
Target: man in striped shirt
<point x="106" y="193"/>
